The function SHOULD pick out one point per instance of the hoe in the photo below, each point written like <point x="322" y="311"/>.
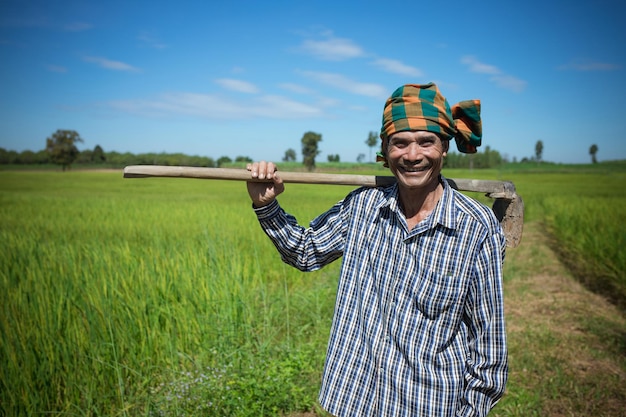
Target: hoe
<point x="507" y="206"/>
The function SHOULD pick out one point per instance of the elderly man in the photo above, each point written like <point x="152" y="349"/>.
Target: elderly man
<point x="418" y="328"/>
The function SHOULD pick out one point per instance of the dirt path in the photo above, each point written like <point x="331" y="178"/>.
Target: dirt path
<point x="567" y="344"/>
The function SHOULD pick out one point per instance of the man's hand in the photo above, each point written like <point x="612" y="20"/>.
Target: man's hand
<point x="263" y="193"/>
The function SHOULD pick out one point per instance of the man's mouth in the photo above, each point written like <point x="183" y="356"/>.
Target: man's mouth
<point x="416" y="168"/>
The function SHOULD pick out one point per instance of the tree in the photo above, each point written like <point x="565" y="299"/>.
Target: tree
<point x="372" y="140"/>
<point x="243" y="159"/>
<point x="290" y="155"/>
<point x="84" y="157"/>
<point x="309" y="149"/>
<point x="333" y="158"/>
<point x="98" y="155"/>
<point x="61" y="147"/>
<point x="360" y="158"/>
<point x="538" y="150"/>
<point x="593" y="150"/>
<point x="223" y="160"/>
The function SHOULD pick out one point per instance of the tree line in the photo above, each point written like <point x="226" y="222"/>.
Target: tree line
<point x="61" y="149"/>
<point x="98" y="156"/>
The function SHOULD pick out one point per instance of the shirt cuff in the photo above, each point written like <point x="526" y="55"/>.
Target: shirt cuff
<point x="268" y="211"/>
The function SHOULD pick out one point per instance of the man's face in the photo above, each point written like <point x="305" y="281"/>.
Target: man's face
<point x="416" y="157"/>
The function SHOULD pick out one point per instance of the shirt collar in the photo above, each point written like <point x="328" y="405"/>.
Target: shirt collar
<point x="445" y="210"/>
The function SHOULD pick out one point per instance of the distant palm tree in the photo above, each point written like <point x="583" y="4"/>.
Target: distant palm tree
<point x="593" y="150"/>
<point x="372" y="140"/>
<point x="538" y="150"/>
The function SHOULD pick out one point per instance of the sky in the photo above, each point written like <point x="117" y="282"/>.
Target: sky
<point x="250" y="78"/>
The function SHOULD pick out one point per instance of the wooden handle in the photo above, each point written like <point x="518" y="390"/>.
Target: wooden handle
<point x="508" y="207"/>
<point x="142" y="171"/>
<point x="500" y="189"/>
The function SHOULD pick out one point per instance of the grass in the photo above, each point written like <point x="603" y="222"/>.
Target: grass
<point x="162" y="297"/>
<point x="110" y="285"/>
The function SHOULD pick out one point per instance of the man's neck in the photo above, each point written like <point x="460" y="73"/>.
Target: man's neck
<point x="418" y="204"/>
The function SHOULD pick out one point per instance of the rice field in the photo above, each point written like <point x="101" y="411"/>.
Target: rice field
<point x="583" y="210"/>
<point x="163" y="297"/>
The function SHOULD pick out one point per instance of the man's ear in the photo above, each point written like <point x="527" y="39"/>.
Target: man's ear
<point x="384" y="144"/>
<point x="446" y="146"/>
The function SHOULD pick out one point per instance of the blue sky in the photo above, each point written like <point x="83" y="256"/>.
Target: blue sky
<point x="250" y="78"/>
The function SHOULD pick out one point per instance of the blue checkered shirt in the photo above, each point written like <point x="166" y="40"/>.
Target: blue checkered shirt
<point x="418" y="328"/>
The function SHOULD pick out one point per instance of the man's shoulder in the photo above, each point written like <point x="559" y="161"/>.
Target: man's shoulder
<point x="475" y="209"/>
<point x="368" y="199"/>
<point x="371" y="194"/>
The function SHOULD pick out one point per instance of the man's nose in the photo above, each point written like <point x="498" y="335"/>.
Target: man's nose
<point x="413" y="152"/>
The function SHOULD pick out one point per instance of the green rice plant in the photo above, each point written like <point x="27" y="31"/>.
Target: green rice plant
<point x="591" y="238"/>
<point x="111" y="286"/>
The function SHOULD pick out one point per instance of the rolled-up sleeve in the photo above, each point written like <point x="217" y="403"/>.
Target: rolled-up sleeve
<point x="306" y="249"/>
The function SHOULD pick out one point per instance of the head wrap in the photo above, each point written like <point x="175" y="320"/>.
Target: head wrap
<point x="422" y="107"/>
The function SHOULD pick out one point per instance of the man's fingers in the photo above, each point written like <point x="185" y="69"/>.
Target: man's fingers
<point x="270" y="170"/>
<point x="262" y="170"/>
<point x="254" y="169"/>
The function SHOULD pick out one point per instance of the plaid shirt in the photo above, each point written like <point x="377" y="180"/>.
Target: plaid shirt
<point x="418" y="328"/>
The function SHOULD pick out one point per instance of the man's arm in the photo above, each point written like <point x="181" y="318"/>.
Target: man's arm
<point x="307" y="249"/>
<point x="487" y="362"/>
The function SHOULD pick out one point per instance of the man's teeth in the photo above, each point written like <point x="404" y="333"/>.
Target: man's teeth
<point x="416" y="169"/>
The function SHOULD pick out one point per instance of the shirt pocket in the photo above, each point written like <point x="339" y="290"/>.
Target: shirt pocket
<point x="436" y="293"/>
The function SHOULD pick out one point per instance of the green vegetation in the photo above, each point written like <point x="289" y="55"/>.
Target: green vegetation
<point x="114" y="292"/>
<point x="310" y="149"/>
<point x="98" y="158"/>
<point x="163" y="297"/>
<point x="61" y="147"/>
<point x="583" y="210"/>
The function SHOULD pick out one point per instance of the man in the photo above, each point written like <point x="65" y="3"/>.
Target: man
<point x="418" y="328"/>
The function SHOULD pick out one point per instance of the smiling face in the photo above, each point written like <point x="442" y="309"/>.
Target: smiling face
<point x="415" y="158"/>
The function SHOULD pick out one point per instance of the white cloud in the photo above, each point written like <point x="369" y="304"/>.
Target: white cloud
<point x="279" y="107"/>
<point x="56" y="68"/>
<point x="332" y="49"/>
<point x="586" y="66"/>
<point x="476" y="66"/>
<point x="344" y="83"/>
<point x="42" y="22"/>
<point x="149" y="40"/>
<point x="397" y="67"/>
<point x="239" y="86"/>
<point x="499" y="78"/>
<point x="509" y="82"/>
<point x="322" y="102"/>
<point x="77" y="26"/>
<point x="295" y="88"/>
<point x="215" y="107"/>
<point x="109" y="64"/>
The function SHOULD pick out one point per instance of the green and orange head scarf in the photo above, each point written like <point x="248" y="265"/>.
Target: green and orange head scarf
<point x="422" y="107"/>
